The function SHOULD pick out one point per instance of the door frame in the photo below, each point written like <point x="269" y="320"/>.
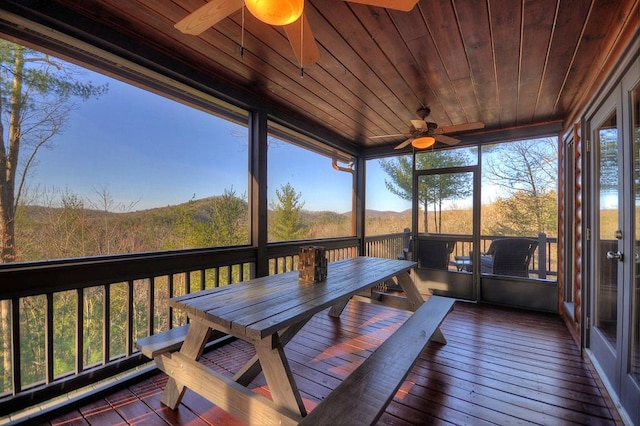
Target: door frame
<point x="624" y="390"/>
<point x="447" y="283"/>
<point x="606" y="356"/>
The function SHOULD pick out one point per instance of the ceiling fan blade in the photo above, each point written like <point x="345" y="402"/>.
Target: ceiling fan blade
<point x="460" y="128"/>
<point x="402" y="5"/>
<point x="447" y="140"/>
<point x="387" y="136"/>
<point x="403" y="144"/>
<point x="419" y="124"/>
<point x="207" y="16"/>
<point x="302" y="41"/>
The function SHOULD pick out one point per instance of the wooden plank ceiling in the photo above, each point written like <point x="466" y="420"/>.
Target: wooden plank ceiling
<point x="510" y="64"/>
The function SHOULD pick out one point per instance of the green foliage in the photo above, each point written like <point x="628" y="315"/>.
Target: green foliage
<point x="285" y="223"/>
<point x="32" y="315"/>
<point x="230" y="220"/>
<point x="214" y="222"/>
<point x="64" y="335"/>
<point x="433" y="190"/>
<point x="400" y="170"/>
<point x="524" y="215"/>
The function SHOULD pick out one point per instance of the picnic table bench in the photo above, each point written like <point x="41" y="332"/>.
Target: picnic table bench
<point x="363" y="396"/>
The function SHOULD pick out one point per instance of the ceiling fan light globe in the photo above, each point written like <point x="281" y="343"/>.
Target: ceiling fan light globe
<point x="276" y="12"/>
<point x="423" y="142"/>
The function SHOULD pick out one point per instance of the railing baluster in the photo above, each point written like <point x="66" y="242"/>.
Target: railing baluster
<point x="542" y="255"/>
<point x="170" y="295"/>
<point x="151" y="307"/>
<point x="130" y="319"/>
<point x="15" y="349"/>
<point x="80" y="331"/>
<point x="106" y="329"/>
<point x="48" y="339"/>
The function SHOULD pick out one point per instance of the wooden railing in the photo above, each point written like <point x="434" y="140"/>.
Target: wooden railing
<point x="96" y="308"/>
<point x="387" y="245"/>
<point x="71" y="323"/>
<point x="100" y="306"/>
<point x="543" y="262"/>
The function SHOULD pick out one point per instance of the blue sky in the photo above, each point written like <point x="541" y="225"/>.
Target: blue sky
<point x="148" y="151"/>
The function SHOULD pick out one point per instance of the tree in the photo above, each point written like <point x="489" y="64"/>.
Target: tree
<point x="526" y="171"/>
<point x="218" y="221"/>
<point x="433" y="190"/>
<point x="36" y="93"/>
<point x="285" y="223"/>
<point x="515" y="215"/>
<point x="110" y="234"/>
<point x="230" y="217"/>
<point x="36" y="99"/>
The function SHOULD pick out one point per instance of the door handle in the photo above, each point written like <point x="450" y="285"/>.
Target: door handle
<point x="614" y="255"/>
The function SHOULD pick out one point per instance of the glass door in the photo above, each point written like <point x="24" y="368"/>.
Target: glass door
<point x="608" y="238"/>
<point x="444" y="211"/>
<point x="614" y="336"/>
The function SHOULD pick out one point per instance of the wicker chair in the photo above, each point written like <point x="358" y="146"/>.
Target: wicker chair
<point x="509" y="256"/>
<point x="434" y="254"/>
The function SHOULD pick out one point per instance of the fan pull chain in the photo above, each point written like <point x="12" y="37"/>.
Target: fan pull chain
<point x="242" y="34"/>
<point x="302" y="46"/>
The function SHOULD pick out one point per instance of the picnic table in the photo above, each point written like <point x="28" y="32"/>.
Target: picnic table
<point x="268" y="312"/>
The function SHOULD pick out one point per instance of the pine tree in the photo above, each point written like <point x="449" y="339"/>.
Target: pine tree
<point x="285" y="223"/>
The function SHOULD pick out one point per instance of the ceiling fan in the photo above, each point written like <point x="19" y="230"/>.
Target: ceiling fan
<point x="424" y="134"/>
<point x="286" y="13"/>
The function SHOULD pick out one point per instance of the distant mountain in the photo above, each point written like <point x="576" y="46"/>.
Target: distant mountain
<point x="202" y="204"/>
<point x="386" y="213"/>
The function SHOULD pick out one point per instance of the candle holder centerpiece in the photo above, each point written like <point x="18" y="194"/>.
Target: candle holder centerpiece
<point x="312" y="264"/>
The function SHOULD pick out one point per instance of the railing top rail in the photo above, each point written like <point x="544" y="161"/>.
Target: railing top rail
<point x="35" y="278"/>
<point x="23" y="280"/>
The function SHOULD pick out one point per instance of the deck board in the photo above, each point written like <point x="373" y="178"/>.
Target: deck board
<point x="499" y="366"/>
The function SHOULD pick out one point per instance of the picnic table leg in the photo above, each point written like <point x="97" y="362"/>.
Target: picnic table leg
<point x="252" y="368"/>
<point x="282" y="385"/>
<point x="413" y="294"/>
<point x="192" y="347"/>
<point x="439" y="337"/>
<point x="415" y="300"/>
<point x="337" y="309"/>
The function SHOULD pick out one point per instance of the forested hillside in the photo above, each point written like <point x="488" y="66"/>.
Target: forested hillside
<point x="75" y="231"/>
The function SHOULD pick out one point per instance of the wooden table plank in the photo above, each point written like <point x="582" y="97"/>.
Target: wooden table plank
<point x="260" y="307"/>
<point x="328" y="293"/>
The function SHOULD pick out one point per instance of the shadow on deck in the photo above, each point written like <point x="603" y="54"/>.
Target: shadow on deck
<point x="500" y="366"/>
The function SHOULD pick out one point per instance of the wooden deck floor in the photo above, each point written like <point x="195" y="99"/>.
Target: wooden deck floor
<point x="500" y="366"/>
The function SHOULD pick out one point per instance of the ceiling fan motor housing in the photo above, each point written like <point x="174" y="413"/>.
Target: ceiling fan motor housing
<point x="423" y="112"/>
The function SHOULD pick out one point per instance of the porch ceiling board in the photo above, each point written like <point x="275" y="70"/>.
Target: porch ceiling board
<point x="512" y="65"/>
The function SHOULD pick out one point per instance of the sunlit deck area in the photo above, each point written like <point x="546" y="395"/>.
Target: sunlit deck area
<point x="500" y="366"/>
